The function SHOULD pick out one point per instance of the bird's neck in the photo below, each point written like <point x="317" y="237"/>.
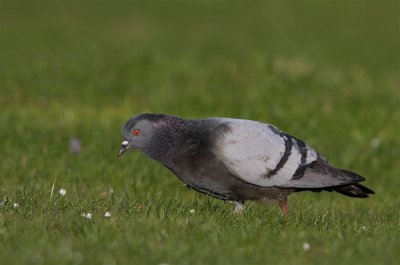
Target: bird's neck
<point x="169" y="141"/>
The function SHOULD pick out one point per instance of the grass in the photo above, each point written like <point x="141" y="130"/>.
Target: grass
<point x="325" y="72"/>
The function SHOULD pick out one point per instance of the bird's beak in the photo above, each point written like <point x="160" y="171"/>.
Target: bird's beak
<point x="123" y="148"/>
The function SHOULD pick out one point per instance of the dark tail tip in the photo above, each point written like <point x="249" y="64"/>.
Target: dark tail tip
<point x="354" y="190"/>
<point x="353" y="176"/>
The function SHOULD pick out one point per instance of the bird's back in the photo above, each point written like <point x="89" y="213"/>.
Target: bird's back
<point x="263" y="155"/>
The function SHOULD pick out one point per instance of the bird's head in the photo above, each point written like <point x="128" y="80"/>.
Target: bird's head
<point x="137" y="133"/>
<point x="152" y="134"/>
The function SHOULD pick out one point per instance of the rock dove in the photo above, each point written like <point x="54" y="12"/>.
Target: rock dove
<point x="237" y="160"/>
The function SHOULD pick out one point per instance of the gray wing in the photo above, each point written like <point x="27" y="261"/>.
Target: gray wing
<point x="320" y="174"/>
<point x="262" y="155"/>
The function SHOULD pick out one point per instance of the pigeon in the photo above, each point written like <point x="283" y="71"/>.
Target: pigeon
<point x="237" y="160"/>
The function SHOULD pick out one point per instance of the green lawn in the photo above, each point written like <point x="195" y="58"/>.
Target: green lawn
<point x="325" y="72"/>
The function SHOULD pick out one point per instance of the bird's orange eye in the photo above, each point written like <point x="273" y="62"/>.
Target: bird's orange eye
<point x="136" y="132"/>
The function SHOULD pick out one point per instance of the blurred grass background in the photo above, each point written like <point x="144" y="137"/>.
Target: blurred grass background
<point x="327" y="72"/>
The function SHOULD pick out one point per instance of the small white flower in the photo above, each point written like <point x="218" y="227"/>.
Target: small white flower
<point x="15" y="205"/>
<point x="87" y="215"/>
<point x="375" y="142"/>
<point x="192" y="211"/>
<point x="107" y="215"/>
<point x="306" y="246"/>
<point x="75" y="146"/>
<point x="62" y="192"/>
<point x="364" y="227"/>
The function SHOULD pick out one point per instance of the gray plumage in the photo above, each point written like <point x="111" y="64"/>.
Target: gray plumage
<point x="237" y="160"/>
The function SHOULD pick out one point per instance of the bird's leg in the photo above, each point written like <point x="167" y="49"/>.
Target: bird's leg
<point x="284" y="206"/>
<point x="239" y="207"/>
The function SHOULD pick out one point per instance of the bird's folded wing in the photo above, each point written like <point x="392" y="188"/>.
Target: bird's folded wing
<point x="262" y="155"/>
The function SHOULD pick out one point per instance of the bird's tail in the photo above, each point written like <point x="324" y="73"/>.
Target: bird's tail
<point x="354" y="190"/>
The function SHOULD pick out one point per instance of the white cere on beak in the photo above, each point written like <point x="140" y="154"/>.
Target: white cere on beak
<point x="125" y="143"/>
